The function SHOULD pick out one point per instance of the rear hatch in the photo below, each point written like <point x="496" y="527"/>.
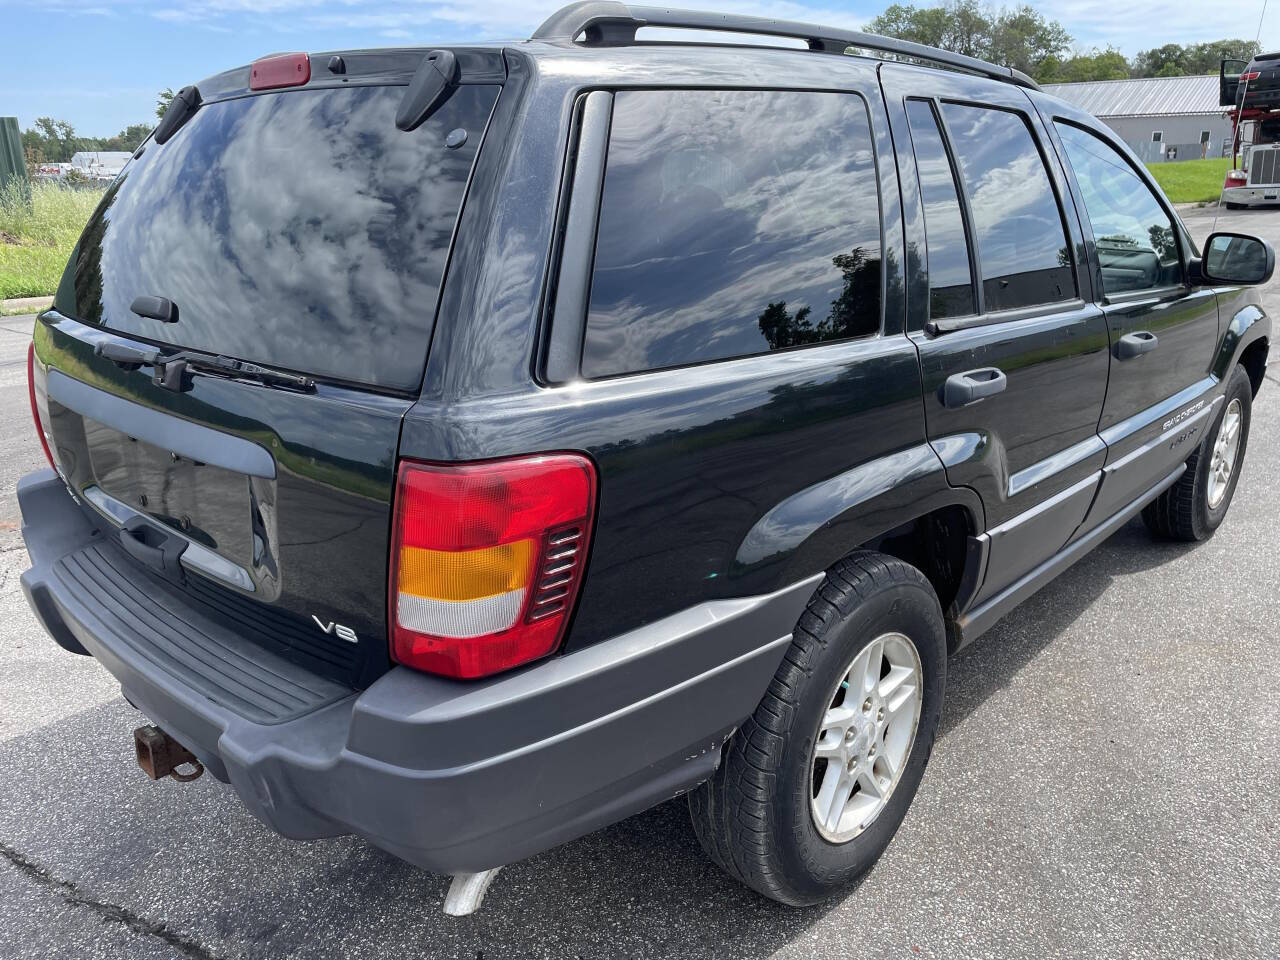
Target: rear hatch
<point x="301" y="231"/>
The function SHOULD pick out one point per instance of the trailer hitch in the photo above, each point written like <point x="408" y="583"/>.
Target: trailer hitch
<point x="159" y="755"/>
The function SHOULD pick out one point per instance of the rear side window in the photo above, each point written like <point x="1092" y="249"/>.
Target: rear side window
<point x="1132" y="234"/>
<point x="732" y="223"/>
<point x="1022" y="246"/>
<point x="950" y="276"/>
<point x="301" y="230"/>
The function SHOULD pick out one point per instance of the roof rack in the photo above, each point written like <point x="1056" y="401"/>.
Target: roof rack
<point x="608" y="23"/>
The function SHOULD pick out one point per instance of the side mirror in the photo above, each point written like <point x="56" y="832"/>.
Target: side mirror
<point x="1236" y="259"/>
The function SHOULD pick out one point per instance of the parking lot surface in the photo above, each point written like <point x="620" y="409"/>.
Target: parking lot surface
<point x="1105" y="785"/>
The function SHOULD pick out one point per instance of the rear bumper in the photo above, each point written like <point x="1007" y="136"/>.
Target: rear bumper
<point x="451" y="776"/>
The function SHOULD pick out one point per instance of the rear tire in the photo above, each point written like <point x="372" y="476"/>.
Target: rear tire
<point x="757" y="816"/>
<point x="1193" y="507"/>
<point x="1232" y="205"/>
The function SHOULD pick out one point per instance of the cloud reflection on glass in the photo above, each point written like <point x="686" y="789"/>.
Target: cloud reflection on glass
<point x="733" y="223"/>
<point x="301" y="230"/>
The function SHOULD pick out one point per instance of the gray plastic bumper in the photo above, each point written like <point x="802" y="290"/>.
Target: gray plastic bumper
<point x="455" y="777"/>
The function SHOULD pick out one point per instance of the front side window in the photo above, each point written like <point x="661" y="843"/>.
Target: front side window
<point x="732" y="223"/>
<point x="1022" y="246"/>
<point x="950" y="278"/>
<point x="1132" y="234"/>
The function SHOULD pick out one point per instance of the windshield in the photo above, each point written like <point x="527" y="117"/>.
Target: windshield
<point x="300" y="230"/>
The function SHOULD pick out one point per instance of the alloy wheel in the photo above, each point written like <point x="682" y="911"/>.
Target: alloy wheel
<point x="1226" y="447"/>
<point x="865" y="737"/>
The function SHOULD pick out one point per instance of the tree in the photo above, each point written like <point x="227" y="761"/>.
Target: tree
<point x="163" y="99"/>
<point x="1024" y="39"/>
<point x="1018" y="37"/>
<point x="1095" y="64"/>
<point x="1176" y="60"/>
<point x="58" y="138"/>
<point x="129" y="138"/>
<point x="56" y="141"/>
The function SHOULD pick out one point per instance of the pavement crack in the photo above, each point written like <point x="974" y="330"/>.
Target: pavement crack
<point x="73" y="895"/>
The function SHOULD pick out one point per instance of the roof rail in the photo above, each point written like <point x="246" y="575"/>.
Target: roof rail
<point x="609" y="23"/>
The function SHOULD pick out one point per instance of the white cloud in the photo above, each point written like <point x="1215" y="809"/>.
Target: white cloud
<point x="1142" y="24"/>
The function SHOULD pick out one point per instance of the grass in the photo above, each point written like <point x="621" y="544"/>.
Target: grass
<point x="1191" y="181"/>
<point x="36" y="237"/>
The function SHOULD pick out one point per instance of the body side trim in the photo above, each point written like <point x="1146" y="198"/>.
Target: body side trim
<point x="978" y="621"/>
<point x="1122" y="429"/>
<point x="1048" y="467"/>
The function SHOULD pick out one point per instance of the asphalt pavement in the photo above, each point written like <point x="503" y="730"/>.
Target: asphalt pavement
<point x="1105" y="785"/>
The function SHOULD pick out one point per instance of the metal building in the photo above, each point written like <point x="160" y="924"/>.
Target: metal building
<point x="1161" y="118"/>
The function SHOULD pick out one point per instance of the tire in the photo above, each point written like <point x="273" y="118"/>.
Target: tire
<point x="1232" y="205"/>
<point x="754" y="817"/>
<point x="1193" y="507"/>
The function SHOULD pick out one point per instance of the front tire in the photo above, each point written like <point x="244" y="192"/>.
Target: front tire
<point x="813" y="787"/>
<point x="1194" y="507"/>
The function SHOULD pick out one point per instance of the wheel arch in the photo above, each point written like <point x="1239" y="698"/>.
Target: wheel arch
<point x="900" y="505"/>
<point x="1246" y="338"/>
<point x="1254" y="360"/>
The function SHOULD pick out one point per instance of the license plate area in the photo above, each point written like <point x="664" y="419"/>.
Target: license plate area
<point x="207" y="504"/>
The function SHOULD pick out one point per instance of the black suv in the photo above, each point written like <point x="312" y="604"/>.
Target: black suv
<point x="469" y="448"/>
<point x="1252" y="84"/>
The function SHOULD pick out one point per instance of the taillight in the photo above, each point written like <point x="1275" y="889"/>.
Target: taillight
<point x="282" y="70"/>
<point x="1251" y="75"/>
<point x="35" y="405"/>
<point x="486" y="560"/>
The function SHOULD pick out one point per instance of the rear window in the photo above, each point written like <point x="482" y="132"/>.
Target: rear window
<point x="732" y="223"/>
<point x="301" y="230"/>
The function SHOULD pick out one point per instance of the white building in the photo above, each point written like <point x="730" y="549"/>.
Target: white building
<point x="100" y="164"/>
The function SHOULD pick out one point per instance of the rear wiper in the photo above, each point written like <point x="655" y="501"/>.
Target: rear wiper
<point x="240" y="368"/>
<point x="171" y="369"/>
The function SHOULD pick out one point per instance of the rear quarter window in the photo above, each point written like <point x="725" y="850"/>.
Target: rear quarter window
<point x="732" y="223"/>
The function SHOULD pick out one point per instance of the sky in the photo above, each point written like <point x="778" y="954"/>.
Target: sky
<point x="100" y="63"/>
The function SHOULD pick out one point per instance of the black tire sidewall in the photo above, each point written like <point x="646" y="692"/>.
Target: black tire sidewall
<point x="813" y="864"/>
<point x="1206" y="519"/>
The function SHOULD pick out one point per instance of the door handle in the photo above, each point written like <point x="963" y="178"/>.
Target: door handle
<point x="972" y="385"/>
<point x="150" y="545"/>
<point x="1136" y="344"/>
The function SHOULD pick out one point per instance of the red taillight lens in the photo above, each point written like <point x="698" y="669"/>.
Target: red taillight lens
<point x="283" y="70"/>
<point x="1252" y="75"/>
<point x="35" y="405"/>
<point x="486" y="560"/>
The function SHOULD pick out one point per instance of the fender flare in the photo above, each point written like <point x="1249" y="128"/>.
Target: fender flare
<point x="1248" y="325"/>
